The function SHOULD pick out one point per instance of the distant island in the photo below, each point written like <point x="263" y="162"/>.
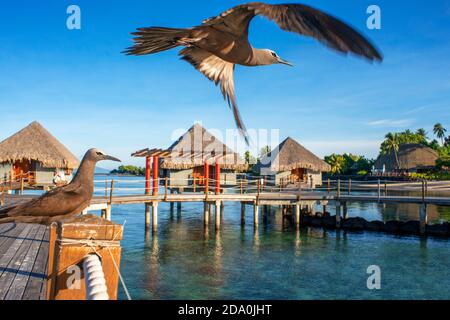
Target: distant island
<point x="129" y="170"/>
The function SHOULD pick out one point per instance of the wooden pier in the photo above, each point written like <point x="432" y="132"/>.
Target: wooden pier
<point x="23" y="261"/>
<point x="42" y="262"/>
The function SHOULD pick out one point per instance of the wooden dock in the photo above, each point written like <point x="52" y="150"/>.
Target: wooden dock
<point x="23" y="261"/>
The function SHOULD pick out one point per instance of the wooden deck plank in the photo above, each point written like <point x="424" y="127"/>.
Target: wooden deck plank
<point x="36" y="284"/>
<point x="10" y="271"/>
<point x="7" y="234"/>
<point x="23" y="275"/>
<point x="12" y="244"/>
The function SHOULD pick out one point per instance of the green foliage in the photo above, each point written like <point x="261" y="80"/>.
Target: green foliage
<point x="131" y="170"/>
<point x="439" y="131"/>
<point x="393" y="140"/>
<point x="264" y="151"/>
<point x="438" y="175"/>
<point x="362" y="173"/>
<point x="348" y="163"/>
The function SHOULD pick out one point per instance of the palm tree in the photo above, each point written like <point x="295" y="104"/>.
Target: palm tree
<point x="336" y="162"/>
<point x="393" y="145"/>
<point x="439" y="131"/>
<point x="422" y="133"/>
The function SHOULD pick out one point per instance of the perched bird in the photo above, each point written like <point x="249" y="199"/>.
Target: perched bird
<point x="61" y="202"/>
<point x="219" y="43"/>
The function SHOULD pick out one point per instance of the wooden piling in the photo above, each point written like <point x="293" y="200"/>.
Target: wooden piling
<point x="255" y="215"/>
<point x="147" y="215"/>
<point x="67" y="250"/>
<point x="217" y="214"/>
<point x="206" y="213"/>
<point x="108" y="212"/>
<point x="345" y="210"/>
<point x="423" y="216"/>
<point x="297" y="214"/>
<point x="242" y="213"/>
<point x="338" y="214"/>
<point x="155" y="215"/>
<point x="379" y="189"/>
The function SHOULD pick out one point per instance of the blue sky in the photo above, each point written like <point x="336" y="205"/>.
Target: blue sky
<point x="83" y="90"/>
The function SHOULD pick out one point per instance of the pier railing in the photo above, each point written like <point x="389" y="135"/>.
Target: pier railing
<point x="256" y="185"/>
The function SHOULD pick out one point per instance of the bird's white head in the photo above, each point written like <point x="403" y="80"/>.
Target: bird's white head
<point x="98" y="155"/>
<point x="268" y="57"/>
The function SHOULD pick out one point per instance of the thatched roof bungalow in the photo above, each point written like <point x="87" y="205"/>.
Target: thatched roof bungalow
<point x="412" y="157"/>
<point x="36" y="153"/>
<point x="291" y="162"/>
<point x="183" y="162"/>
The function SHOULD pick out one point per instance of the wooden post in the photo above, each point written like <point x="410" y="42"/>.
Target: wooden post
<point x="111" y="192"/>
<point x="338" y="214"/>
<point x="206" y="213"/>
<point x="345" y="210"/>
<point x="423" y="218"/>
<point x="349" y="186"/>
<point x="423" y="190"/>
<point x="217" y="214"/>
<point x="65" y="255"/>
<point x="217" y="177"/>
<point x="106" y="187"/>
<point x="166" y="187"/>
<point x="108" y="212"/>
<point x="297" y="214"/>
<point x="385" y="188"/>
<point x="258" y="188"/>
<point x="155" y="175"/>
<point x="147" y="215"/>
<point x="324" y="208"/>
<point x="21" y="185"/>
<point x="379" y="189"/>
<point x="242" y="213"/>
<point x="255" y="215"/>
<point x="206" y="172"/>
<point x="155" y="215"/>
<point x="329" y="185"/>
<point x="339" y="188"/>
<point x="147" y="175"/>
<point x="240" y="186"/>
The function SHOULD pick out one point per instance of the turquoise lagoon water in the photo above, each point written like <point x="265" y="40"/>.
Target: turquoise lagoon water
<point x="185" y="260"/>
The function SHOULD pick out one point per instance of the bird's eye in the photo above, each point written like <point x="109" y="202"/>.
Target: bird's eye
<point x="274" y="54"/>
<point x="99" y="153"/>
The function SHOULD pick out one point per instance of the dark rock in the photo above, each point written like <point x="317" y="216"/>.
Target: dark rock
<point x="375" y="226"/>
<point x="440" y="230"/>
<point x="354" y="223"/>
<point x="329" y="222"/>
<point x="305" y="219"/>
<point x="410" y="227"/>
<point x="393" y="226"/>
<point x="316" y="222"/>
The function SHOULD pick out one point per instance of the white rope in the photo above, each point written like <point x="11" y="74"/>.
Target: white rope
<point x="95" y="278"/>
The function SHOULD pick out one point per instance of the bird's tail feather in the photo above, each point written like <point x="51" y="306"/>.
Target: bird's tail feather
<point x="156" y="39"/>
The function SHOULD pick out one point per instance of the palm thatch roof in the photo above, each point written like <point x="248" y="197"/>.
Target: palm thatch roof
<point x="291" y="155"/>
<point x="411" y="156"/>
<point x="34" y="142"/>
<point x="198" y="146"/>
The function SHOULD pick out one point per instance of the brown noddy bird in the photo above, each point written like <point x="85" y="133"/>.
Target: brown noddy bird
<point x="62" y="202"/>
<point x="217" y="45"/>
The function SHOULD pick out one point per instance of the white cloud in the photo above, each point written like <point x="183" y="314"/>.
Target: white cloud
<point x="391" y="123"/>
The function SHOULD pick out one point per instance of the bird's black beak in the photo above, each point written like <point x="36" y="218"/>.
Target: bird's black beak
<point x="111" y="158"/>
<point x="285" y="62"/>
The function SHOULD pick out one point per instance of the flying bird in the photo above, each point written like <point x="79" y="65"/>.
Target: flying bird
<point x="219" y="43"/>
<point x="62" y="202"/>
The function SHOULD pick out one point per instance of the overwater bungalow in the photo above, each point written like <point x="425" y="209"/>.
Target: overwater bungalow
<point x="412" y="157"/>
<point x="290" y="162"/>
<point x="35" y="155"/>
<point x="195" y="155"/>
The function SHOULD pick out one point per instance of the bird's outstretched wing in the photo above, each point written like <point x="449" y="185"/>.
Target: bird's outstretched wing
<point x="219" y="71"/>
<point x="300" y="19"/>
